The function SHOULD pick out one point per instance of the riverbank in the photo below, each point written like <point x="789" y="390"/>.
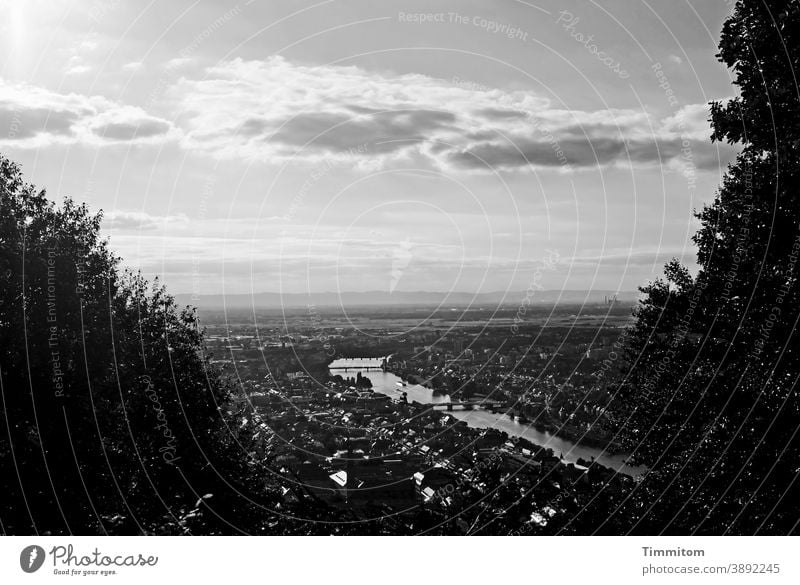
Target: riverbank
<point x="571" y="433"/>
<point x="387" y="381"/>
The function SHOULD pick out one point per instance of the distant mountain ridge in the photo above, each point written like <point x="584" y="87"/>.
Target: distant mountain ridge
<point x="271" y="300"/>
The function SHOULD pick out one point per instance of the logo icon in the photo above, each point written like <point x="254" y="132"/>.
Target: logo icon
<point x="401" y="258"/>
<point x="31" y="558"/>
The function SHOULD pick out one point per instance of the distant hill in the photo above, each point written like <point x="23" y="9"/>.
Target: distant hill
<point x="269" y="300"/>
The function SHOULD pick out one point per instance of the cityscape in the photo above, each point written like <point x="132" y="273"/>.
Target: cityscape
<point x="457" y="424"/>
<point x="372" y="270"/>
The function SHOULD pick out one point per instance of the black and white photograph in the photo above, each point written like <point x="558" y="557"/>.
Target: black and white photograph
<point x="301" y="268"/>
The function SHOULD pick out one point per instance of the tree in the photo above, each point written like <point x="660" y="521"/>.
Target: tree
<point x="708" y="396"/>
<point x="113" y="418"/>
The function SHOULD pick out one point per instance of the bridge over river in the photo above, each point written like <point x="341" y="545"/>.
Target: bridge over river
<point x="483" y="413"/>
<point x="468" y="404"/>
<point x="354" y="368"/>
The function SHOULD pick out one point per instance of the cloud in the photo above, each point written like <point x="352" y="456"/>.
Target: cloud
<point x="499" y="114"/>
<point x="126" y="131"/>
<point x="21" y="124"/>
<point x="76" y="66"/>
<point x="338" y="132"/>
<point x="576" y="153"/>
<point x="178" y="62"/>
<point x="690" y="121"/>
<point x="127" y="124"/>
<point x="34" y="117"/>
<point x="646" y="257"/>
<point x="279" y="111"/>
<point x="78" y="70"/>
<point x="140" y="221"/>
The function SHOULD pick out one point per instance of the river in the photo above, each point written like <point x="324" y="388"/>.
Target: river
<point x="389" y="384"/>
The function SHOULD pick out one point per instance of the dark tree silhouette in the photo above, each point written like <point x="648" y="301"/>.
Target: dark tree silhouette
<point x="708" y="397"/>
<point x="113" y="419"/>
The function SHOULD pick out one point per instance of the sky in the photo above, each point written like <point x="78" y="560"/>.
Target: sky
<point x="354" y="145"/>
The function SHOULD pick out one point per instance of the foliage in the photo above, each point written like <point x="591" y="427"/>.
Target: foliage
<point x="708" y="396"/>
<point x="113" y="419"/>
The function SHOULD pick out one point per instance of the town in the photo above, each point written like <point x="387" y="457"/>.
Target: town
<point x="358" y="415"/>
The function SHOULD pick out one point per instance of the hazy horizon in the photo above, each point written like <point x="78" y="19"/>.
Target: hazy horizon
<point x="516" y="298"/>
